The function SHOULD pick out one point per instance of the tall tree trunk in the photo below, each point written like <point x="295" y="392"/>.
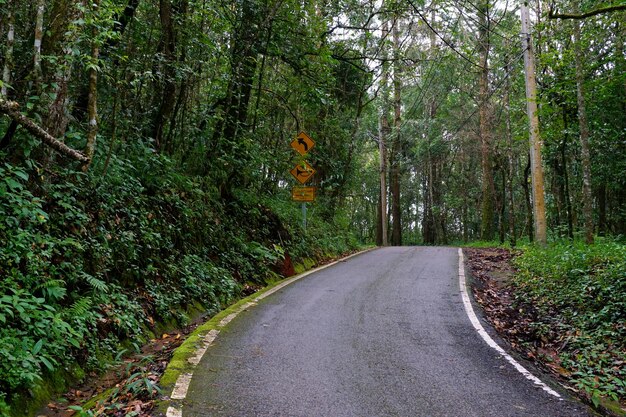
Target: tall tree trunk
<point x="62" y="35"/>
<point x="268" y="37"/>
<point x="92" y="106"/>
<point x="430" y="224"/>
<point x="233" y="108"/>
<point x="529" y="206"/>
<point x="465" y="206"/>
<point x="8" y="57"/>
<point x="113" y="134"/>
<point x="383" y="131"/>
<point x="166" y="97"/>
<point x="435" y="188"/>
<point x="394" y="160"/>
<point x="120" y="23"/>
<point x="536" y="167"/>
<point x="501" y="203"/>
<point x="584" y="135"/>
<point x="566" y="192"/>
<point x="510" y="158"/>
<point x="487" y="186"/>
<point x="6" y="73"/>
<point x="8" y="135"/>
<point x="558" y="190"/>
<point x="379" y="222"/>
<point x="602" y="227"/>
<point x="37" y="73"/>
<point x="427" y="227"/>
<point x="620" y="61"/>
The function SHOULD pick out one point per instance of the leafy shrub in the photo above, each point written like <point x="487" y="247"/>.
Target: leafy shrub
<point x="91" y="262"/>
<point x="580" y="290"/>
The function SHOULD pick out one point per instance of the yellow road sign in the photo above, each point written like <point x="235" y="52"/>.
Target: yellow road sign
<point x="303" y="194"/>
<point x="302" y="172"/>
<point x="302" y="143"/>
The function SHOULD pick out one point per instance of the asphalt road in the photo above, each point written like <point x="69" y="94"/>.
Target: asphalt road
<point x="382" y="334"/>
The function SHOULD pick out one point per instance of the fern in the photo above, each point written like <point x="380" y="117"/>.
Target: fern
<point x="95" y="283"/>
<point x="53" y="289"/>
<point x="80" y="308"/>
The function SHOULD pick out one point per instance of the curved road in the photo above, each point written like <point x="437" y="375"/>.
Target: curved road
<point x="382" y="334"/>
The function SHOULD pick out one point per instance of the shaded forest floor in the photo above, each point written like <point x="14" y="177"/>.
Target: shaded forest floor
<point x="493" y="272"/>
<point x="128" y="388"/>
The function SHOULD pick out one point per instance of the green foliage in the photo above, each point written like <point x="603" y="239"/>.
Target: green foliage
<point x="93" y="262"/>
<point x="4" y="408"/>
<point x="579" y="291"/>
<point x="36" y="343"/>
<point x="81" y="412"/>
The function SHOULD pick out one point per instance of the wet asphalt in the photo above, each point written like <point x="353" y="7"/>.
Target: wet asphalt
<point x="382" y="334"/>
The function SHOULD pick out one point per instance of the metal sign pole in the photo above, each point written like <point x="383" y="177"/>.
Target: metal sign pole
<point x="303" y="172"/>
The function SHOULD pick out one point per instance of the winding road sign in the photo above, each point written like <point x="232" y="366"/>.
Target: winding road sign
<point x="302" y="143"/>
<point x="302" y="172"/>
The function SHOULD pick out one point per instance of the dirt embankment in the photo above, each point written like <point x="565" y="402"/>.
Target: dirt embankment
<point x="492" y="271"/>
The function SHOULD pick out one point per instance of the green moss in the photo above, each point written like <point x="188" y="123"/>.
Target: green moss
<point x="164" y="327"/>
<point x="612" y="407"/>
<point x="180" y="360"/>
<point x="304" y="265"/>
<point x="93" y="402"/>
<point x="27" y="404"/>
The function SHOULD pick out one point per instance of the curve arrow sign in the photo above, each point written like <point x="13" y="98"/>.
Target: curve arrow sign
<point x="302" y="143"/>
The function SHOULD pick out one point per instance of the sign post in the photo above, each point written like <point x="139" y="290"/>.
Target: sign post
<point x="303" y="172"/>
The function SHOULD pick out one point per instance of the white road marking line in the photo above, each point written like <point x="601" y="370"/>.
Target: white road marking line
<point x="208" y="339"/>
<point x="182" y="385"/>
<point x="234" y="314"/>
<point x="228" y="319"/>
<point x="481" y="331"/>
<point x="173" y="412"/>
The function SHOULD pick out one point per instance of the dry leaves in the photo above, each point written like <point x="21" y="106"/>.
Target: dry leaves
<point x="132" y="380"/>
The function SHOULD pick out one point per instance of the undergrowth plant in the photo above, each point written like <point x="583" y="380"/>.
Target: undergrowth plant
<point x="579" y="292"/>
<point x="92" y="263"/>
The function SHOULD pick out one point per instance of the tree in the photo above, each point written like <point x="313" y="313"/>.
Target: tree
<point x="487" y="205"/>
<point x="383" y="134"/>
<point x="8" y="59"/>
<point x="395" y="155"/>
<point x="584" y="135"/>
<point x="536" y="167"/>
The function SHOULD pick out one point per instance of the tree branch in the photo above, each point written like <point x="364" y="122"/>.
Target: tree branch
<point x="601" y="10"/>
<point x="11" y="109"/>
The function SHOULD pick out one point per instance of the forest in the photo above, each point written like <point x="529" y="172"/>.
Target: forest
<point x="145" y="160"/>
